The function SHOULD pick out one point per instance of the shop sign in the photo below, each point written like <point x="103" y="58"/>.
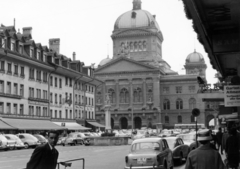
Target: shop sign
<point x="37" y="103"/>
<point x="232" y="96"/>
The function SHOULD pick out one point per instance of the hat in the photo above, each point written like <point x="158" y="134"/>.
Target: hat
<point x="204" y="135"/>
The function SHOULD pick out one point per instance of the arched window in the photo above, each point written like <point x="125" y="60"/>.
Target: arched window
<point x="179" y="119"/>
<point x="135" y="46"/>
<point x="112" y="95"/>
<point x="131" y="47"/>
<point x="150" y="95"/>
<point x="124" y="96"/>
<point x="144" y="45"/>
<point x="166" y="104"/>
<point x="99" y="97"/>
<point x="192" y="103"/>
<point x="140" y="46"/>
<point x="166" y="119"/>
<point x="179" y="104"/>
<point x="137" y="95"/>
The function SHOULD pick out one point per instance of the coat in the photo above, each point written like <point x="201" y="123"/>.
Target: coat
<point x="204" y="157"/>
<point x="232" y="150"/>
<point x="43" y="158"/>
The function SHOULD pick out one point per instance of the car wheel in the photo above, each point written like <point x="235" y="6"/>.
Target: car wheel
<point x="26" y="145"/>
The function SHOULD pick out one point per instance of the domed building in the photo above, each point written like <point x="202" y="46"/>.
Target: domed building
<point x="141" y="87"/>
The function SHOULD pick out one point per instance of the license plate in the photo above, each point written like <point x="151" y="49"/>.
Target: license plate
<point x="141" y="160"/>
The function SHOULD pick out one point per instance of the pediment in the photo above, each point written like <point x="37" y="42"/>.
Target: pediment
<point x="123" y="65"/>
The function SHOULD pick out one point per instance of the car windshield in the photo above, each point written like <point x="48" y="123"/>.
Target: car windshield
<point x="3" y="138"/>
<point x="145" y="146"/>
<point x="31" y="137"/>
<point x="12" y="137"/>
<point x="171" y="143"/>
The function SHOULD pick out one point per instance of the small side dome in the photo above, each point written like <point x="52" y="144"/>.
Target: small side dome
<point x="104" y="61"/>
<point x="195" y="57"/>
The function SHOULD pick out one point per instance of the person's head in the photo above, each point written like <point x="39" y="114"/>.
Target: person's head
<point x="204" y="136"/>
<point x="53" y="137"/>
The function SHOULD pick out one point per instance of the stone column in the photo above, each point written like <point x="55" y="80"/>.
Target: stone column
<point x="156" y="91"/>
<point x="103" y="92"/>
<point x="130" y="92"/>
<point x="117" y="93"/>
<point x="144" y="93"/>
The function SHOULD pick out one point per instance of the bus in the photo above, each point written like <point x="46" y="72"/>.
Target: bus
<point x="189" y="126"/>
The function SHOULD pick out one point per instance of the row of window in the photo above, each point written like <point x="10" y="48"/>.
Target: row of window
<point x="16" y="109"/>
<point x="69" y="114"/>
<point x="12" y="68"/>
<point x="179" y="119"/>
<point x="135" y="46"/>
<point x="179" y="104"/>
<point x="16" y="89"/>
<point x="125" y="95"/>
<point x="178" y="89"/>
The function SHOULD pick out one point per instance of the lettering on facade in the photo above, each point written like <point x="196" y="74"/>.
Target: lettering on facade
<point x="37" y="103"/>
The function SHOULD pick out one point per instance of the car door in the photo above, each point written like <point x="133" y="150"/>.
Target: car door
<point x="184" y="148"/>
<point x="168" y="156"/>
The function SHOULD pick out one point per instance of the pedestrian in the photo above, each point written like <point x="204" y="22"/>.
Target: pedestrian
<point x="219" y="140"/>
<point x="232" y="149"/>
<point x="204" y="157"/>
<point x="45" y="156"/>
<point x="224" y="139"/>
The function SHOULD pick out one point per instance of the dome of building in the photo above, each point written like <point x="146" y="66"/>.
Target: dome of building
<point x="195" y="57"/>
<point x="136" y="18"/>
<point x="104" y="61"/>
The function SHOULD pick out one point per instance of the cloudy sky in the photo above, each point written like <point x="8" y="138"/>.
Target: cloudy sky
<point x="85" y="27"/>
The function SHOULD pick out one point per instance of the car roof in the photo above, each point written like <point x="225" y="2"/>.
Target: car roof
<point x="171" y="138"/>
<point x="149" y="139"/>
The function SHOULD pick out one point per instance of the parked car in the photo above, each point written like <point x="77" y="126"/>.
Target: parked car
<point x="149" y="153"/>
<point x="73" y="139"/>
<point x="179" y="149"/>
<point x="28" y="140"/>
<point x="189" y="139"/>
<point x="86" y="138"/>
<point x="61" y="140"/>
<point x="41" y="138"/>
<point x="18" y="143"/>
<point x="10" y="143"/>
<point x="3" y="143"/>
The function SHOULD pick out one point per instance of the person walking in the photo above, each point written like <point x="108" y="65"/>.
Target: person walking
<point x="204" y="157"/>
<point x="224" y="139"/>
<point x="232" y="149"/>
<point x="219" y="140"/>
<point x="45" y="156"/>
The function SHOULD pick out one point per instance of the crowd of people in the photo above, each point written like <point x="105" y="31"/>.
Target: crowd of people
<point x="207" y="156"/>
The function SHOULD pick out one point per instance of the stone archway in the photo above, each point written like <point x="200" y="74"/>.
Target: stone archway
<point x="124" y="123"/>
<point x="137" y="123"/>
<point x="208" y="119"/>
<point x="112" y="123"/>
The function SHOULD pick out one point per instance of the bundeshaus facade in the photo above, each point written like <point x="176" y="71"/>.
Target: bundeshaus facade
<point x="142" y="87"/>
<point x="38" y="84"/>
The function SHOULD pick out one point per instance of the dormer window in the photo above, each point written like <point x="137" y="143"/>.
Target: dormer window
<point x="38" y="55"/>
<point x="31" y="53"/>
<point x="44" y="57"/>
<point x="20" y="50"/>
<point x="12" y="46"/>
<point x="2" y="45"/>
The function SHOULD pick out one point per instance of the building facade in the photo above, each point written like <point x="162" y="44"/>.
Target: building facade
<point x="37" y="82"/>
<point x="142" y="87"/>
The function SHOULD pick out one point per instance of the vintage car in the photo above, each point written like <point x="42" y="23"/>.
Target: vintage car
<point x="179" y="149"/>
<point x="28" y="140"/>
<point x="18" y="143"/>
<point x="73" y="139"/>
<point x="3" y="143"/>
<point x="10" y="143"/>
<point x="149" y="153"/>
<point x="86" y="138"/>
<point x="189" y="139"/>
<point x="61" y="140"/>
<point x="41" y="138"/>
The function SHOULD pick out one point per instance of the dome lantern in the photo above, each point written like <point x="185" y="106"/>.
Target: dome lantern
<point x="137" y="4"/>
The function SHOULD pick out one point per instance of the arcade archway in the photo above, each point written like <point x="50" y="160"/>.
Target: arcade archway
<point x="209" y="121"/>
<point x="124" y="123"/>
<point x="112" y="123"/>
<point x="137" y="123"/>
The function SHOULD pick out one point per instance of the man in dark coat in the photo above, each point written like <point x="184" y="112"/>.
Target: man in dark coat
<point x="45" y="156"/>
<point x="204" y="157"/>
<point x="219" y="136"/>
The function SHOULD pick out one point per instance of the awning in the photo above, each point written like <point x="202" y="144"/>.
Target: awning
<point x="96" y="124"/>
<point x="4" y="126"/>
<point x="72" y="125"/>
<point x="25" y="124"/>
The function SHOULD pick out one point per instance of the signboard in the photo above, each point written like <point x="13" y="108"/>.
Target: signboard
<point x="232" y="96"/>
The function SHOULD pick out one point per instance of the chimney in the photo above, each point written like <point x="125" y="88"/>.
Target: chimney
<point x="27" y="32"/>
<point x="54" y="44"/>
<point x="74" y="56"/>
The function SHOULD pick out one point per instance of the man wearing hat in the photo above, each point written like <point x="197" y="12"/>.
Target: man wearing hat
<point x="204" y="157"/>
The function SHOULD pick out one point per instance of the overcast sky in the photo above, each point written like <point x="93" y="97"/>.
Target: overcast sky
<point x="85" y="27"/>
